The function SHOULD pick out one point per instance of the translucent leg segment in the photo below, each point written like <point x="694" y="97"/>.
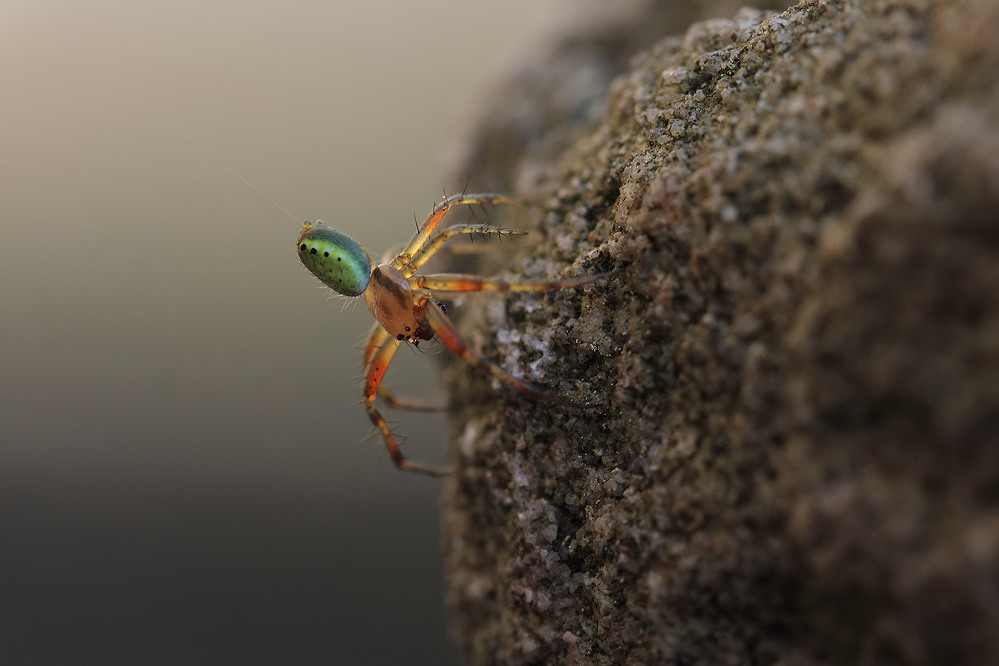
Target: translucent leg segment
<point x="453" y="282"/>
<point x="421" y="256"/>
<point x="410" y="404"/>
<point x="435" y="217"/>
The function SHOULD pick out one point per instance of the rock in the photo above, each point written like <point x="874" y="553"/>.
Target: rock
<point x="792" y="453"/>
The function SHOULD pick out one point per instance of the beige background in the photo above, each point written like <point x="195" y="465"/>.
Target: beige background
<point x="184" y="474"/>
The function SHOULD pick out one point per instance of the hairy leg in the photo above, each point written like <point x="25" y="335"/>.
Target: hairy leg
<point x="435" y="217"/>
<point x="434" y="244"/>
<point x="453" y="282"/>
<point x="378" y="363"/>
<point x="376" y="339"/>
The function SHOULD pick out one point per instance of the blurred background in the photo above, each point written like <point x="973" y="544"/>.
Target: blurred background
<point x="186" y="473"/>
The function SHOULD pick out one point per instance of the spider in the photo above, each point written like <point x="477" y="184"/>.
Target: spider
<point x="404" y="305"/>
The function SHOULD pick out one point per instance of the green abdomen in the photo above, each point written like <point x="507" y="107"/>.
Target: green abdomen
<point x="335" y="258"/>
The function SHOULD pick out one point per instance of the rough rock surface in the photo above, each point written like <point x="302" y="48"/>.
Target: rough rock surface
<point x="794" y="457"/>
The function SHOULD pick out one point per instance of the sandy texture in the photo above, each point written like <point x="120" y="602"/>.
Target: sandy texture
<point x="795" y="454"/>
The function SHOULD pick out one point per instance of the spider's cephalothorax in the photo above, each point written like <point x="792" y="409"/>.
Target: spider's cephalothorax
<point x="396" y="306"/>
<point x="403" y="303"/>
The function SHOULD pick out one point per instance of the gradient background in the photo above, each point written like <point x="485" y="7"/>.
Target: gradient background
<point x="184" y="475"/>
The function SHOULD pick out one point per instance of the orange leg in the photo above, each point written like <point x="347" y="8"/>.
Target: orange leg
<point x="421" y="256"/>
<point x="452" y="282"/>
<point x="435" y="217"/>
<point x="377" y="365"/>
<point x="376" y="339"/>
